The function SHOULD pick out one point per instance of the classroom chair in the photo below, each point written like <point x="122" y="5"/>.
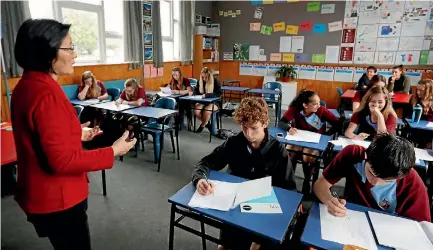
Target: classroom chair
<point x="322" y="103"/>
<point x="71" y="91"/>
<point x="153" y="127"/>
<point x="113" y="93"/>
<point x="193" y="82"/>
<point x="79" y="109"/>
<point x="272" y="99"/>
<point x="341" y="106"/>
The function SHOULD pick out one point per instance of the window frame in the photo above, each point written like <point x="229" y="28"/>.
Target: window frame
<point x="173" y="21"/>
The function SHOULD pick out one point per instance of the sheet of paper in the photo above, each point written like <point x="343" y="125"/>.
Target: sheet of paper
<point x="426" y="45"/>
<point x="285" y="44"/>
<point x="353" y="229"/>
<point x="413" y="29"/>
<point x="430" y="59"/>
<point x="427" y="227"/>
<point x="319" y="28"/>
<point x="369" y="17"/>
<point x="255" y="26"/>
<point x="343" y="75"/>
<point x="91" y="101"/>
<point x="305" y="136"/>
<point x="306" y="26"/>
<point x="308" y="73"/>
<point x="369" y="5"/>
<point x="327" y="9"/>
<point x="258" y="13"/>
<point x="262" y="58"/>
<point x="352" y="9"/>
<point x="348" y="36"/>
<point x="265" y="205"/>
<point x="357" y="74"/>
<point x="301" y="57"/>
<point x="407" y="57"/>
<point x="423" y="154"/>
<point x="390" y="16"/>
<point x="332" y="53"/>
<point x="325" y="74"/>
<point x="275" y="57"/>
<point x="146" y="69"/>
<point x="281" y="26"/>
<point x="254" y="189"/>
<point x="346" y="54"/>
<point x="344" y="142"/>
<point x="288" y="57"/>
<point x="120" y="106"/>
<point x="389" y="30"/>
<point x="350" y="22"/>
<point x="335" y="26"/>
<point x="387" y="44"/>
<point x="245" y="69"/>
<point x="367" y="31"/>
<point x="423" y="58"/>
<point x="222" y="198"/>
<point x="363" y="58"/>
<point x="165" y="90"/>
<point x="254" y="52"/>
<point x="318" y="58"/>
<point x="397" y="232"/>
<point x="410" y="43"/>
<point x="430" y="125"/>
<point x="260" y="70"/>
<point x="297" y="44"/>
<point x="228" y="56"/>
<point x="384" y="57"/>
<point x="272" y="71"/>
<point x="313" y="6"/>
<point x="366" y="45"/>
<point x="292" y="29"/>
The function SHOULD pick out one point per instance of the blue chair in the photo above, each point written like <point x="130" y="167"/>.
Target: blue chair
<point x="113" y="93"/>
<point x="154" y="127"/>
<point x="271" y="99"/>
<point x="79" y="109"/>
<point x="71" y="91"/>
<point x="322" y="103"/>
<point x="193" y="82"/>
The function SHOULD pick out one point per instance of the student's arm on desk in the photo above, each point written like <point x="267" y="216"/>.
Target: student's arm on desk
<point x="286" y="119"/>
<point x="336" y="170"/>
<point x="216" y="160"/>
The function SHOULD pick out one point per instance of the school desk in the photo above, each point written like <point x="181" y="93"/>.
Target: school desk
<point x="157" y="113"/>
<point x="401" y="98"/>
<point x="312" y="235"/>
<point x="8" y="152"/>
<point x="422" y="125"/>
<point x="86" y="103"/>
<point x="275" y="97"/>
<point x="349" y="94"/>
<point x="272" y="227"/>
<point x="230" y="92"/>
<point x="205" y="101"/>
<point x="231" y="82"/>
<point x="111" y="106"/>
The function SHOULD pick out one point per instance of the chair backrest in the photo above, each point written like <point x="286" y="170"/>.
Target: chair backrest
<point x="322" y="103"/>
<point x="120" y="84"/>
<point x="79" y="110"/>
<point x="165" y="103"/>
<point x="114" y="93"/>
<point x="71" y="91"/>
<point x="340" y="91"/>
<point x="193" y="82"/>
<point x="272" y="85"/>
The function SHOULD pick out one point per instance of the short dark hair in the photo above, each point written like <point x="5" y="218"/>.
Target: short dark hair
<point x="303" y="97"/>
<point x="38" y="42"/>
<point x="390" y="156"/>
<point x="373" y="68"/>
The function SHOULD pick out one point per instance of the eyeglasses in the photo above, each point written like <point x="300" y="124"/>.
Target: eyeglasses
<point x="72" y="48"/>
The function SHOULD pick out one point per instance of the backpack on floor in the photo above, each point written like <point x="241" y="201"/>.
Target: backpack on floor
<point x="225" y="133"/>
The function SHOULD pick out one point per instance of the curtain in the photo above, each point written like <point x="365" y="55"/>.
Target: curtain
<point x="158" y="59"/>
<point x="187" y="23"/>
<point x="13" y="14"/>
<point x="133" y="29"/>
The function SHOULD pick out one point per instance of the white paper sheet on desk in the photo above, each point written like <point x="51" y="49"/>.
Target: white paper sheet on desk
<point x="429" y="125"/>
<point x="197" y="96"/>
<point x="222" y="198"/>
<point x="344" y="142"/>
<point x="399" y="233"/>
<point x="121" y="106"/>
<point x="423" y="154"/>
<point x="162" y="94"/>
<point x="354" y="231"/>
<point x="254" y="189"/>
<point x="305" y="136"/>
<point x="165" y="90"/>
<point x="91" y="101"/>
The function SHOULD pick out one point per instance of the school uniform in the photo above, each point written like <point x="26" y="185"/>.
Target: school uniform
<point x="270" y="159"/>
<point x="363" y="82"/>
<point x="404" y="197"/>
<point x="140" y="94"/>
<point x="91" y="114"/>
<point x="365" y="125"/>
<point x="216" y="89"/>
<point x="358" y="96"/>
<point x="175" y="86"/>
<point x="315" y="122"/>
<point x="102" y="89"/>
<point x="401" y="84"/>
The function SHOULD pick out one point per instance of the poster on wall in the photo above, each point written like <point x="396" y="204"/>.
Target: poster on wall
<point x="365" y="44"/>
<point x="147" y="25"/>
<point x="148" y="38"/>
<point x="350" y="23"/>
<point x="240" y="51"/>
<point x="363" y="58"/>
<point x="410" y="43"/>
<point x="367" y="31"/>
<point x="352" y="9"/>
<point x="415" y="14"/>
<point x="369" y="17"/>
<point x="147" y="9"/>
<point x="384" y="57"/>
<point x="413" y="29"/>
<point x="387" y="44"/>
<point x="348" y="36"/>
<point x="407" y="57"/>
<point x="148" y="53"/>
<point x="297" y="44"/>
<point x="346" y="54"/>
<point x="390" y="16"/>
<point x="370" y="5"/>
<point x="389" y="30"/>
<point x="392" y="5"/>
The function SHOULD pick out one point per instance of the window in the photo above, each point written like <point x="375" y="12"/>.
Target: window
<point x="170" y="29"/>
<point x="97" y="26"/>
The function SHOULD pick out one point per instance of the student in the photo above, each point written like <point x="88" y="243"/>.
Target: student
<point x="178" y="83"/>
<point x="398" y="82"/>
<point x="424" y="98"/>
<point x="365" y="79"/>
<point x="307" y="114"/>
<point x="90" y="88"/>
<point x="251" y="154"/>
<point x="375" y="115"/>
<point x="376" y="80"/>
<point x="380" y="177"/>
<point x="207" y="87"/>
<point x="133" y="94"/>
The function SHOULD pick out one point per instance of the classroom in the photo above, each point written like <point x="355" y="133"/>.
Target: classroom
<point x="188" y="124"/>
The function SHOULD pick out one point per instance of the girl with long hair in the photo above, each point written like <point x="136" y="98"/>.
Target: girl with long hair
<point x="375" y="115"/>
<point x="376" y="80"/>
<point x="133" y="94"/>
<point x="90" y="88"/>
<point x="179" y="84"/>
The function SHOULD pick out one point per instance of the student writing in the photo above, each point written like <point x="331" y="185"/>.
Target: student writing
<point x="306" y="113"/>
<point x="133" y="94"/>
<point x="251" y="154"/>
<point x="207" y="87"/>
<point x="365" y="79"/>
<point x="398" y="82"/>
<point x="90" y="88"/>
<point x="179" y="84"/>
<point x="375" y="115"/>
<point x="381" y="177"/>
<point x="376" y="80"/>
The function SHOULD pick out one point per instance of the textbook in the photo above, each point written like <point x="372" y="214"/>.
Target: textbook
<point x="265" y="205"/>
<point x="401" y="233"/>
<point x="229" y="195"/>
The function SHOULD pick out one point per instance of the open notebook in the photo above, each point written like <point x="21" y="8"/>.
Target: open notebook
<point x="229" y="195"/>
<point x="401" y="233"/>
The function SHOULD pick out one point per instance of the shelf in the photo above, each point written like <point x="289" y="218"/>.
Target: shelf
<point x="210" y="62"/>
<point x="211" y="36"/>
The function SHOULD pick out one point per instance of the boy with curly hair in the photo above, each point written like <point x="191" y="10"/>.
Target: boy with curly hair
<point x="251" y="154"/>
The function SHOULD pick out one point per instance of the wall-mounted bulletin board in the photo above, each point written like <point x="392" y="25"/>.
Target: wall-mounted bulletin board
<point x="281" y="31"/>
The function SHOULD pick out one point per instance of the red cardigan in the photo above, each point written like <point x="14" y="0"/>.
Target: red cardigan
<point x="52" y="165"/>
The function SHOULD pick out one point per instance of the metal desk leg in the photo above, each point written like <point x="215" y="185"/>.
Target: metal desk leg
<point x="161" y="145"/>
<point x="104" y="185"/>
<point x="176" y="132"/>
<point x="171" y="233"/>
<point x="211" y="123"/>
<point x="203" y="234"/>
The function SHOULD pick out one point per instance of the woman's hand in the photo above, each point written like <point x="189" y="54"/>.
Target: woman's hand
<point x="87" y="134"/>
<point x="361" y="137"/>
<point x="293" y="131"/>
<point x="123" y="145"/>
<point x="175" y="91"/>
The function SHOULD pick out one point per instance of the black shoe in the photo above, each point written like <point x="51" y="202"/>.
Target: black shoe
<point x="199" y="130"/>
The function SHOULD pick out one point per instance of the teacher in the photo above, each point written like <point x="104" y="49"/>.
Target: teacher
<point x="52" y="184"/>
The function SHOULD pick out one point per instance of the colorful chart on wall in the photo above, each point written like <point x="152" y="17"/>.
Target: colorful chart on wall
<point x="384" y="57"/>
<point x="407" y="57"/>
<point x="389" y="30"/>
<point x="390" y="16"/>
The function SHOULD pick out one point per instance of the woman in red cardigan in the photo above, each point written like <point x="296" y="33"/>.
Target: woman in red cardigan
<point x="52" y="184"/>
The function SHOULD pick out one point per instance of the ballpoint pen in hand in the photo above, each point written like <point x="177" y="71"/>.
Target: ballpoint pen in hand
<point x="335" y="195"/>
<point x="207" y="181"/>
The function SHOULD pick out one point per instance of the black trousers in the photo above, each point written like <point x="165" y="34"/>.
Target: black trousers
<point x="66" y="230"/>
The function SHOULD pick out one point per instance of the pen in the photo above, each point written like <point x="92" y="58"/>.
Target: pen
<point x="335" y="195"/>
<point x="206" y="179"/>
